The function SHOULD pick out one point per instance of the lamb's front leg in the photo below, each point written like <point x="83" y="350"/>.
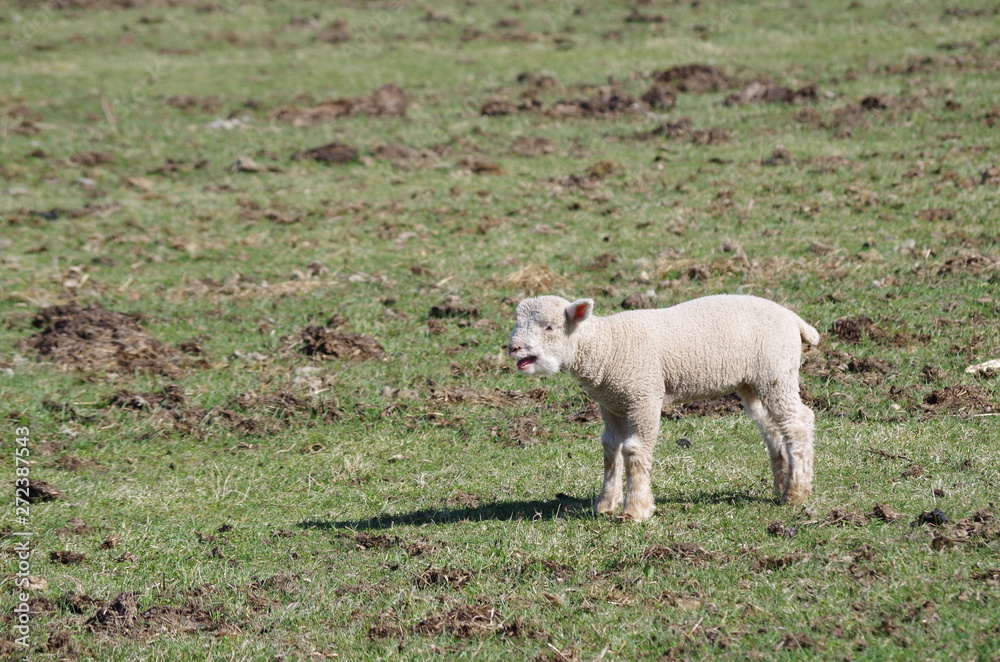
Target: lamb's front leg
<point x="637" y="453"/>
<point x="611" y="491"/>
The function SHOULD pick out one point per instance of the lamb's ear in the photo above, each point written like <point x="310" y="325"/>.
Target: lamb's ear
<point x="578" y="311"/>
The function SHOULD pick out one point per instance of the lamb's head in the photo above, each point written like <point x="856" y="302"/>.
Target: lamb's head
<point x="544" y="337"/>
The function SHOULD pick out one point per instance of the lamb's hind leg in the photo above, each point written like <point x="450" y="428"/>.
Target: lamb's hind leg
<point x="612" y="438"/>
<point x="773" y="438"/>
<point x="797" y="424"/>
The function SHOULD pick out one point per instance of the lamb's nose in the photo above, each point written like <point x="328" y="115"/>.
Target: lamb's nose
<point x="511" y="349"/>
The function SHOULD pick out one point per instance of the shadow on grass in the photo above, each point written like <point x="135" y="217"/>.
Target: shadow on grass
<point x="730" y="497"/>
<point x="561" y="506"/>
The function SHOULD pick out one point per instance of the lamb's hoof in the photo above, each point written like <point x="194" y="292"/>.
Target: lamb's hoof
<point x="638" y="514"/>
<point x="794" y="497"/>
<point x="606" y="507"/>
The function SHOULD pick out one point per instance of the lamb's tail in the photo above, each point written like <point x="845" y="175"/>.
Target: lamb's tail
<point x="808" y="333"/>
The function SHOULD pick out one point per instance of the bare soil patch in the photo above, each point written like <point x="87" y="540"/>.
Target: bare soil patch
<point x="689" y="552"/>
<point x="494" y="397"/>
<point x="168" y="404"/>
<point x="93" y="338"/>
<point x="363" y="541"/>
<point x="523" y="431"/>
<point x="386" y="101"/>
<point x="468" y="621"/>
<point x="452" y="578"/>
<point x="727" y="404"/>
<point x="406" y="157"/>
<point x="971" y="262"/>
<point x="329" y="154"/>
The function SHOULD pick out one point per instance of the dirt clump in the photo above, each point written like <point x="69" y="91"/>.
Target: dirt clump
<point x="934" y="517"/>
<point x="683" y="129"/>
<point x="758" y="92"/>
<point x="880" y="102"/>
<point x="604" y="101"/>
<point x="453" y="578"/>
<point x="840" y="517"/>
<point x="533" y="146"/>
<point x="780" y="156"/>
<point x="638" y="301"/>
<point x="386" y="101"/>
<point x="501" y="106"/>
<point x="168" y="405"/>
<point x="885" y="512"/>
<point x="62" y="640"/>
<point x="590" y="414"/>
<point x="659" y="96"/>
<point x="280" y="406"/>
<point x="39" y="490"/>
<point x="329" y="154"/>
<point x="694" y="78"/>
<point x="778" y="529"/>
<point x="170" y="397"/>
<point x="452" y="307"/>
<point x="772" y="563"/>
<point x="91" y="159"/>
<point x="480" y="166"/>
<point x="971" y="263"/>
<point x="365" y="541"/>
<point x="328" y="342"/>
<point x="637" y="16"/>
<point x="870" y="364"/>
<point x="966" y="399"/>
<point x="854" y="329"/>
<point x="172" y="166"/>
<point x="406" y="157"/>
<point x="935" y="214"/>
<point x="535" y="278"/>
<point x="66" y="557"/>
<point x="522" y="432"/>
<point x="116" y="616"/>
<point x="93" y="338"/>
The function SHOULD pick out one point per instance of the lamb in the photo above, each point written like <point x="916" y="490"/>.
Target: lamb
<point x="634" y="362"/>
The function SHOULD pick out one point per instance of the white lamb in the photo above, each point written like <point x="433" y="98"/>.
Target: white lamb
<point x="634" y="362"/>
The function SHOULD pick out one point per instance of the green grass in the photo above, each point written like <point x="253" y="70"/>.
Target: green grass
<point x="408" y="524"/>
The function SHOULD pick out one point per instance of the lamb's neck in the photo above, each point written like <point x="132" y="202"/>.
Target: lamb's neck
<point x="591" y="360"/>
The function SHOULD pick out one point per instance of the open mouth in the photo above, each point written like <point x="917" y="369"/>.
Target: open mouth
<point x="525" y="362"/>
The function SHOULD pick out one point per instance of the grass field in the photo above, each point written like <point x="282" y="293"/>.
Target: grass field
<point x="258" y="265"/>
